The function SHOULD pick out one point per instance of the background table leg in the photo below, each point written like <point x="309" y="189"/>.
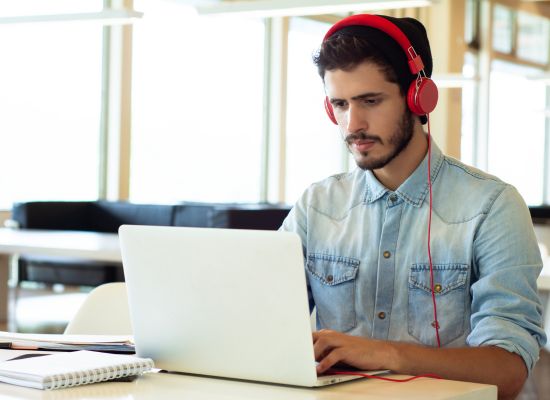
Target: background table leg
<point x="4" y="289"/>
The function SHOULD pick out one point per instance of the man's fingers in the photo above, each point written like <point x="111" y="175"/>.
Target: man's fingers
<point x="321" y="333"/>
<point x="334" y="347"/>
<point x="321" y="346"/>
<point x="325" y="340"/>
<point x="330" y="348"/>
<point x="329" y="360"/>
<point x="315" y="336"/>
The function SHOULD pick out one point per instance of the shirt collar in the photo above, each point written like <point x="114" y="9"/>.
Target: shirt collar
<point x="415" y="188"/>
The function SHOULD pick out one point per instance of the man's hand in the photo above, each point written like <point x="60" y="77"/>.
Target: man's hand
<point x="332" y="347"/>
<point x="486" y="364"/>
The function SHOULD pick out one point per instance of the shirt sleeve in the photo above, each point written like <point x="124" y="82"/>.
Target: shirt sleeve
<point x="506" y="308"/>
<point x="296" y="221"/>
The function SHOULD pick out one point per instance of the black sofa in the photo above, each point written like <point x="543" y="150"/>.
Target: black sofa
<point x="540" y="214"/>
<point x="107" y="216"/>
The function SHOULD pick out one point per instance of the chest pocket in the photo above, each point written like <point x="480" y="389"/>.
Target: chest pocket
<point x="332" y="281"/>
<point x="450" y="287"/>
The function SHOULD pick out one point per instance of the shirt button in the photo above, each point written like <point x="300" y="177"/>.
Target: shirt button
<point x="438" y="288"/>
<point x="387" y="254"/>
<point x="381" y="315"/>
<point x="330" y="278"/>
<point x="393" y="197"/>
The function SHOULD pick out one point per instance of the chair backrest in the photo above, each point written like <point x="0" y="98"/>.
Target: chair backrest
<point x="104" y="312"/>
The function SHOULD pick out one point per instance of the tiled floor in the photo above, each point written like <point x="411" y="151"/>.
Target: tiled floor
<point x="44" y="311"/>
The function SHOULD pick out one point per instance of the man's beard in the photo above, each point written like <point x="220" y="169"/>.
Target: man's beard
<point x="399" y="140"/>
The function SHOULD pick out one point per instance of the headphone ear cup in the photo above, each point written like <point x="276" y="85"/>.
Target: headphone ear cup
<point x="330" y="110"/>
<point x="422" y="99"/>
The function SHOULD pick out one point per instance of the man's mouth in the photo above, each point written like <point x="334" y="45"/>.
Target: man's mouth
<point x="361" y="141"/>
<point x="362" y="145"/>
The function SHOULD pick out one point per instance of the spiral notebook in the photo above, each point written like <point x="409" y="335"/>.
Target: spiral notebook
<point x="61" y="370"/>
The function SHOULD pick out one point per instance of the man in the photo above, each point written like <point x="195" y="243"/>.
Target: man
<point x="374" y="282"/>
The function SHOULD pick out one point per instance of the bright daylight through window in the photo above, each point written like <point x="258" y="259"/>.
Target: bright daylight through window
<point x="50" y="102"/>
<point x="196" y="106"/>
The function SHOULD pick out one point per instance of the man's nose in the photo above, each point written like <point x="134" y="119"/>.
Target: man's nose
<point x="356" y="120"/>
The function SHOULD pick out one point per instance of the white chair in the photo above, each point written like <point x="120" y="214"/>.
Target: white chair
<point x="104" y="312"/>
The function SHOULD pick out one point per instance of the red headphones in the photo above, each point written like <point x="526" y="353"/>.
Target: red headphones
<point x="422" y="92"/>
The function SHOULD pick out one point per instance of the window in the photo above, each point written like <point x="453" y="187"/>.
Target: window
<point x="517" y="129"/>
<point x="511" y="139"/>
<point x="533" y="37"/>
<point x="315" y="149"/>
<point x="503" y="28"/>
<point x="197" y="104"/>
<point x="50" y="81"/>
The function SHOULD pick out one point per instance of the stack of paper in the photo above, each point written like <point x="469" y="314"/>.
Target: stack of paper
<point x="32" y="341"/>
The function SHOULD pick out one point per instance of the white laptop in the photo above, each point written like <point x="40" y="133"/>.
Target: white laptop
<point x="221" y="302"/>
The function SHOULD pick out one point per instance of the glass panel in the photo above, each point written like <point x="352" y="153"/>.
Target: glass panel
<point x="315" y="149"/>
<point x="533" y="37"/>
<point x="197" y="106"/>
<point x="502" y="28"/>
<point x="50" y="101"/>
<point x="517" y="129"/>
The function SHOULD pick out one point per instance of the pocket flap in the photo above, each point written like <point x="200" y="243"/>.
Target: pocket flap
<point x="447" y="277"/>
<point x="332" y="270"/>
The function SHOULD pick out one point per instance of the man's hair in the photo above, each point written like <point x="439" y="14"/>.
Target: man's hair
<point x="346" y="52"/>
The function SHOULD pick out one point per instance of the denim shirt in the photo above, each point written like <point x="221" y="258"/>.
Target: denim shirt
<point x="367" y="265"/>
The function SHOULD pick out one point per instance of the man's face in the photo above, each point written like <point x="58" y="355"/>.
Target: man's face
<point x="371" y="114"/>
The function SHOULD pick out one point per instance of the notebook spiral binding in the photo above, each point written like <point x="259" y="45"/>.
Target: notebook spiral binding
<point x="60" y="381"/>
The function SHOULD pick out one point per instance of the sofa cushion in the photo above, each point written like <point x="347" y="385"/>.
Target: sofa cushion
<point x="193" y="215"/>
<point x="248" y="217"/>
<point x="57" y="215"/>
<point x="107" y="216"/>
<point x="540" y="214"/>
<point x="233" y="216"/>
<point x="52" y="270"/>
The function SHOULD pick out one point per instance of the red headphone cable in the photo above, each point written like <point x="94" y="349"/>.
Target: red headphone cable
<point x="435" y="323"/>
<point x="336" y="372"/>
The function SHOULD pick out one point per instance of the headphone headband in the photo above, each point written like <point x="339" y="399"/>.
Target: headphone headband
<point x="422" y="92"/>
<point x="375" y="21"/>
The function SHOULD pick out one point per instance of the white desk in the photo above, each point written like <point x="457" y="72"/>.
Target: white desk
<point x="155" y="386"/>
<point x="70" y="244"/>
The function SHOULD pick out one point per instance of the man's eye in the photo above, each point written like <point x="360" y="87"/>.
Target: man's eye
<point x="339" y="104"/>
<point x="371" y="101"/>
